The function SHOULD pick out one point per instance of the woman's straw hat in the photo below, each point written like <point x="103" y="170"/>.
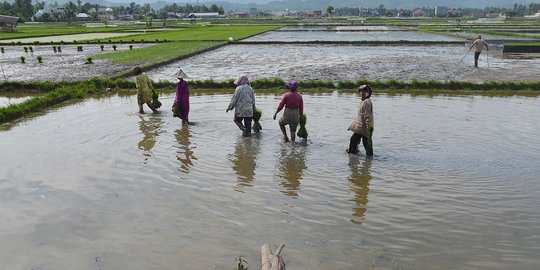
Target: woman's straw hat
<point x="181" y="75"/>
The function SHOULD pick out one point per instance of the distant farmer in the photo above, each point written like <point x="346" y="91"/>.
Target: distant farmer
<point x="243" y="103"/>
<point x="144" y="90"/>
<point x="478" y="45"/>
<point x="294" y="108"/>
<point x="362" y="126"/>
<point x="181" y="98"/>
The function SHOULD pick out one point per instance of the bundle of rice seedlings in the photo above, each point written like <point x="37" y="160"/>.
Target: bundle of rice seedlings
<point x="155" y="102"/>
<point x="176" y="109"/>
<point x="302" y="132"/>
<point x="256" y="117"/>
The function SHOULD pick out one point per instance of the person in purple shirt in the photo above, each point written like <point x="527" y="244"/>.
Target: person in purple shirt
<point x="182" y="96"/>
<point x="294" y="108"/>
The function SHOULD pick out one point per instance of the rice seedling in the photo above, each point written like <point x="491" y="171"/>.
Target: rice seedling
<point x="114" y="47"/>
<point x="79" y="48"/>
<point x="36" y="42"/>
<point x="23" y="59"/>
<point x="31" y="49"/>
<point x="74" y="42"/>
<point x="89" y="60"/>
<point x="25" y="49"/>
<point x="39" y="59"/>
<point x="155" y="102"/>
<point x="302" y="132"/>
<point x="102" y="47"/>
<point x="241" y="263"/>
<point x="2" y="49"/>
<point x="59" y="48"/>
<point x="257" y="114"/>
<point x="54" y="48"/>
<point x="130" y="47"/>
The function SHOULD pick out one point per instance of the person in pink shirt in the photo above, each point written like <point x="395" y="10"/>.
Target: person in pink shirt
<point x="294" y="108"/>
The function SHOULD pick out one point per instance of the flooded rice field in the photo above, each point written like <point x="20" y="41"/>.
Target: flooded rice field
<point x="350" y="62"/>
<point x="142" y="192"/>
<point x="348" y="35"/>
<point x="67" y="38"/>
<point x="337" y="27"/>
<point x="67" y="65"/>
<point x="487" y="37"/>
<point x="8" y="98"/>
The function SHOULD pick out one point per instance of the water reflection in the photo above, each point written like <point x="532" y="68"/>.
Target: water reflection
<point x="244" y="161"/>
<point x="359" y="178"/>
<point x="292" y="163"/>
<point x="186" y="154"/>
<point x="150" y="129"/>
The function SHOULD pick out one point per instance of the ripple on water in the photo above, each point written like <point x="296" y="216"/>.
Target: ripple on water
<point x="446" y="185"/>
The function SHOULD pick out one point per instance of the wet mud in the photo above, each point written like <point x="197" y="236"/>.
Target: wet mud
<point x="350" y="36"/>
<point x="68" y="65"/>
<point x="337" y="63"/>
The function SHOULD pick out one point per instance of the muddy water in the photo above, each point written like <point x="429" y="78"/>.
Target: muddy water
<point x="350" y="36"/>
<point x="453" y="184"/>
<point x="68" y="65"/>
<point x="8" y="98"/>
<point x="331" y="62"/>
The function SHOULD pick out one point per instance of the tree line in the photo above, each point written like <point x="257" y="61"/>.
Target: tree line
<point x="54" y="12"/>
<point x="515" y="11"/>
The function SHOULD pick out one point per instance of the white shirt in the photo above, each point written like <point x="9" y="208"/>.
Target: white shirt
<point x="243" y="101"/>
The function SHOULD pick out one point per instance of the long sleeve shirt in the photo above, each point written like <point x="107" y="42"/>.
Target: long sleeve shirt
<point x="243" y="101"/>
<point x="291" y="100"/>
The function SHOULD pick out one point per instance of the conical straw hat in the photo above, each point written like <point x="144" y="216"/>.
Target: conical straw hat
<point x="181" y="75"/>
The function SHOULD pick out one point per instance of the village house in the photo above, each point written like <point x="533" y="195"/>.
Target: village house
<point x="126" y="17"/>
<point x="105" y="13"/>
<point x="418" y="12"/>
<point x="8" y="23"/>
<point x="83" y="17"/>
<point x="453" y="12"/>
<point x="204" y="15"/>
<point x="364" y="12"/>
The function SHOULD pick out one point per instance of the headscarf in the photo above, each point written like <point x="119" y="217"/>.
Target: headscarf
<point x="241" y="80"/>
<point x="365" y="88"/>
<point x="291" y="85"/>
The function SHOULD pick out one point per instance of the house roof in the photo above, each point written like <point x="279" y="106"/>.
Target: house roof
<point x="8" y="19"/>
<point x="204" y="14"/>
<point x="83" y="15"/>
<point x="105" y="9"/>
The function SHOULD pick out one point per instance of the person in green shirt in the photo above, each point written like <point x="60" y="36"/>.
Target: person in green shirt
<point x="144" y="90"/>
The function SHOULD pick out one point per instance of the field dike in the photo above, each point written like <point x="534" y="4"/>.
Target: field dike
<point x="58" y="93"/>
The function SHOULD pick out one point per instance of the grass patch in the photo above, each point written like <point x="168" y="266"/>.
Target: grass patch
<point x="23" y="32"/>
<point x="157" y="53"/>
<point x="58" y="93"/>
<point x="522" y="44"/>
<point x="203" y="33"/>
<point x="41" y="103"/>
